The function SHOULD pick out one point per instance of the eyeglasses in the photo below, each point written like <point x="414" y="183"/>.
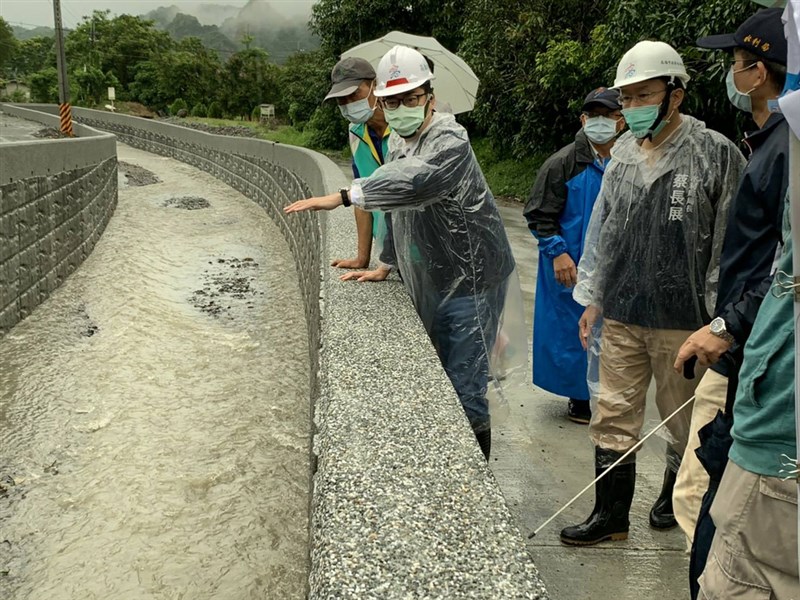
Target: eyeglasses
<point x="639" y="98"/>
<point x="729" y="60"/>
<point x="409" y="101"/>
<point x="616" y="115"/>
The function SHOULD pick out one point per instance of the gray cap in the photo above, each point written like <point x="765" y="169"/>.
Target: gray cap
<point x="347" y="75"/>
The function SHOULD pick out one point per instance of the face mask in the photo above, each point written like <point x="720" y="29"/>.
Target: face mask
<point x="737" y="98"/>
<point x="357" y="112"/>
<point x="600" y="130"/>
<point x="640" y="120"/>
<point x="406" y="121"/>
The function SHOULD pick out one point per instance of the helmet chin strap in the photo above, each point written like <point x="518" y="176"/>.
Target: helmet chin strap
<point x="662" y="113"/>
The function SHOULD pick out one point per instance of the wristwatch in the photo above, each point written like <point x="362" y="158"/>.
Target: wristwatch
<point x="719" y="329"/>
<point x="345" y="197"/>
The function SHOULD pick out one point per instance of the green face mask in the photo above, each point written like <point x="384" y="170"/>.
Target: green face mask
<point x="640" y="120"/>
<point x="405" y="121"/>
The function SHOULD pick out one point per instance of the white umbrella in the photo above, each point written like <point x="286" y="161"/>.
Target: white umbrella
<point x="455" y="84"/>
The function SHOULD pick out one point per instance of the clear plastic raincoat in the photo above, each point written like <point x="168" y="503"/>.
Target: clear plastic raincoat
<point x="651" y="265"/>
<point x="455" y="259"/>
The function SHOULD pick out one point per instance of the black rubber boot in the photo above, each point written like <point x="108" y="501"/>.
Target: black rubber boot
<point x="612" y="504"/>
<point x="662" y="515"/>
<point x="484" y="438"/>
<point x="579" y="411"/>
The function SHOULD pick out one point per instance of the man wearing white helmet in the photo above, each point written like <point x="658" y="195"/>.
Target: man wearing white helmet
<point x="450" y="243"/>
<point x="650" y="268"/>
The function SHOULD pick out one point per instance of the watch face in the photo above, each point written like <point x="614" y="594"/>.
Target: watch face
<point x="717" y="325"/>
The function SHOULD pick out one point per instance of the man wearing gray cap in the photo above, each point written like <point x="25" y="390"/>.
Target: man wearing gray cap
<point x="353" y="84"/>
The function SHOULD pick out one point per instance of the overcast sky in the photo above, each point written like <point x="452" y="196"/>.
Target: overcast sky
<point x="30" y="13"/>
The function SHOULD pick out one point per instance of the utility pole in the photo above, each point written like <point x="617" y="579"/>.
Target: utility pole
<point x="64" y="109"/>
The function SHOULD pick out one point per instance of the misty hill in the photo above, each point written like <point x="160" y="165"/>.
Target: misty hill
<point x="22" y="33"/>
<point x="224" y="27"/>
<point x="279" y="35"/>
<point x="206" y="14"/>
<point x="186" y="25"/>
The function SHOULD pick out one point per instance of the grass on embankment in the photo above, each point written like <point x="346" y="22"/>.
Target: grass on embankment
<point x="507" y="177"/>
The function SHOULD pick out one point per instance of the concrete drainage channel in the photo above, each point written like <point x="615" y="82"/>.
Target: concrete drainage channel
<point x="402" y="503"/>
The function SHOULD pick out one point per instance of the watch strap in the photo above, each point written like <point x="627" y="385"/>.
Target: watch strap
<point x="345" y="197"/>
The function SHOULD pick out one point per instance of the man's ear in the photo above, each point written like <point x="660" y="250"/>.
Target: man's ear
<point x="763" y="74"/>
<point x="677" y="98"/>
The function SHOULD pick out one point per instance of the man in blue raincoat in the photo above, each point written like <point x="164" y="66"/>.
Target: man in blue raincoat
<point x="558" y="213"/>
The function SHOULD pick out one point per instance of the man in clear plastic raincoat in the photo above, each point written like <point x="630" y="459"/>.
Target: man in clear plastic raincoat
<point x="558" y="212"/>
<point x="650" y="267"/>
<point x="450" y="243"/>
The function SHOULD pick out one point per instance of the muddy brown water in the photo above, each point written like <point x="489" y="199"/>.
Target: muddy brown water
<point x="154" y="412"/>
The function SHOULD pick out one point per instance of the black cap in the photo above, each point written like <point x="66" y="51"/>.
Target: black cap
<point x="347" y="75"/>
<point x="762" y="35"/>
<point x="604" y="97"/>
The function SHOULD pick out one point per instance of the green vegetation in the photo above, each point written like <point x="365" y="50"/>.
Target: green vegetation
<point x="507" y="177"/>
<point x="199" y="110"/>
<point x="177" y="106"/>
<point x="215" y="110"/>
<point x="536" y="59"/>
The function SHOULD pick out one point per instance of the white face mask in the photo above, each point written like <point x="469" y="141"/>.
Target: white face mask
<point x="600" y="130"/>
<point x="359" y="111"/>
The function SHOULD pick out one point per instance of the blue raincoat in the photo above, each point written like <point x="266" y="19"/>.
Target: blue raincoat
<point x="558" y="213"/>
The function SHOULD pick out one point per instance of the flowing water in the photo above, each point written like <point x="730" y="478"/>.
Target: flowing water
<point x="154" y="412"/>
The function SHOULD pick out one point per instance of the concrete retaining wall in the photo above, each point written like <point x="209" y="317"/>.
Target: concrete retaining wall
<point x="56" y="197"/>
<point x="403" y="505"/>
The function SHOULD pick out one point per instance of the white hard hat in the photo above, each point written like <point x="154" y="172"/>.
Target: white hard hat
<point x="648" y="60"/>
<point x="401" y="70"/>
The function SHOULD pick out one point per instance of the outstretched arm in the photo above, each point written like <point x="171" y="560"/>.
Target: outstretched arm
<point x="328" y="202"/>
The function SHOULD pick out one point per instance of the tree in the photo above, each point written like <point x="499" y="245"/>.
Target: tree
<point x="8" y="44"/>
<point x="33" y="55"/>
<point x="215" y="110"/>
<point x="190" y="71"/>
<point x="326" y="129"/>
<point x="178" y="106"/>
<point x="44" y="86"/>
<point x="304" y="80"/>
<point x="199" y="110"/>
<point x="91" y="83"/>
<point x="503" y="42"/>
<point x="118" y="45"/>
<point x="146" y="87"/>
<point x="532" y="85"/>
<point x="249" y="78"/>
<point x="341" y="24"/>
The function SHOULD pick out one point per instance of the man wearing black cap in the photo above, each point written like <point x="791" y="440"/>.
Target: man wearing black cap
<point x="353" y="83"/>
<point x="558" y="212"/>
<point x="752" y="244"/>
